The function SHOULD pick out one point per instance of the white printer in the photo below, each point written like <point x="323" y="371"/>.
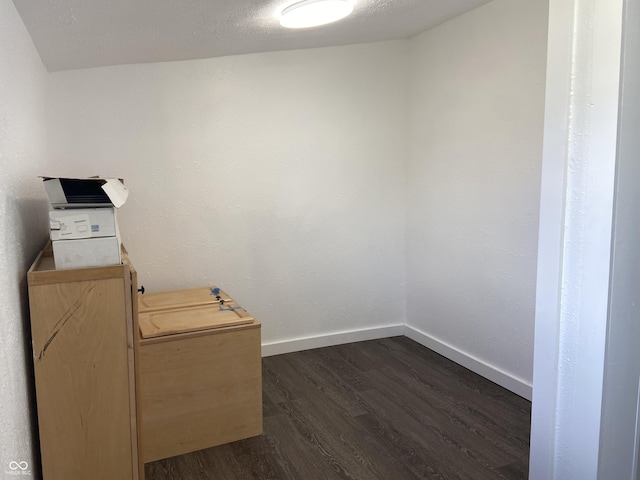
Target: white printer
<point x="83" y="224"/>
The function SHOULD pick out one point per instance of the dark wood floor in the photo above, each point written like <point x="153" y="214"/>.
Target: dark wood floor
<point x="382" y="409"/>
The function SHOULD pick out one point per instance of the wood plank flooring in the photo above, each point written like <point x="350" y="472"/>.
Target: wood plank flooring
<point x="386" y="409"/>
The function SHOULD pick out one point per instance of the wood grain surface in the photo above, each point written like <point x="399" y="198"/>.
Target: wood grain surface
<point x="200" y="391"/>
<point x="81" y="359"/>
<point x="201" y="317"/>
<point x="382" y="409"/>
<point x="179" y="299"/>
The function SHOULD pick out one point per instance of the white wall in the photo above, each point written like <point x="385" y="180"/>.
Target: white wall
<point x="277" y="176"/>
<point x="621" y="396"/>
<point x="23" y="221"/>
<point x="477" y="97"/>
<point x="620" y="434"/>
<point x="576" y="218"/>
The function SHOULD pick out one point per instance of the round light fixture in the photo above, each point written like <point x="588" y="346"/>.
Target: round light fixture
<point x="311" y="13"/>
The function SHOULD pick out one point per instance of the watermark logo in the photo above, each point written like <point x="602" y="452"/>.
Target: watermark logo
<point x="16" y="468"/>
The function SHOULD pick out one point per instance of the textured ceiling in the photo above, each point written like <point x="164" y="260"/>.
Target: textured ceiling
<point x="72" y="34"/>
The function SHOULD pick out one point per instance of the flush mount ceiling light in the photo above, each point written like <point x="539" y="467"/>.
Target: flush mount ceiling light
<point x="311" y="13"/>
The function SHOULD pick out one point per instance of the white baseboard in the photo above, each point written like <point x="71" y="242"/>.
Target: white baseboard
<point x="504" y="379"/>
<point x="307" y="343"/>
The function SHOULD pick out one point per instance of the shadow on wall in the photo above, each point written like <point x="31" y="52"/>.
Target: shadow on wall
<point x="29" y="238"/>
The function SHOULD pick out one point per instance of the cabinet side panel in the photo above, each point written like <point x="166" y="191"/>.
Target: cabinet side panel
<point x="81" y="366"/>
<point x="131" y="295"/>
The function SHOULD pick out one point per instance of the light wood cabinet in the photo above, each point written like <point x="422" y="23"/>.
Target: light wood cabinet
<point x="84" y="336"/>
<point x="123" y="379"/>
<point x="200" y="372"/>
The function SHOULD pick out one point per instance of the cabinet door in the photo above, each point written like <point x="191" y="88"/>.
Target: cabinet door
<point x="81" y="362"/>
